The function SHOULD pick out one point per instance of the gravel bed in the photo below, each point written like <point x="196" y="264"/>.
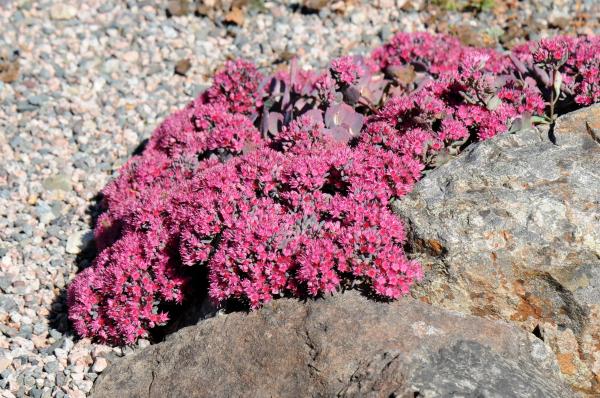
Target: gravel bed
<point x="95" y="77"/>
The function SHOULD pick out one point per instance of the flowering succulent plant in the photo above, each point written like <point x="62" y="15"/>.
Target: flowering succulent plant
<point x="566" y="70"/>
<point x="282" y="184"/>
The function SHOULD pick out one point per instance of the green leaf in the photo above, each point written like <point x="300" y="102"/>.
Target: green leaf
<point x="558" y="79"/>
<point x="540" y="120"/>
<point x="524" y="122"/>
<point x="493" y="103"/>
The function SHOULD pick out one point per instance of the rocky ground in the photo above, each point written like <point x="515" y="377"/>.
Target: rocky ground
<point x="82" y="84"/>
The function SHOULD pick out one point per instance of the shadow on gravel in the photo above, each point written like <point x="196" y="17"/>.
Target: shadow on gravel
<point x="58" y="317"/>
<point x="186" y="314"/>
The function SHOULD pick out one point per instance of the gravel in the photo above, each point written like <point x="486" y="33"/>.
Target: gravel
<point x="95" y="78"/>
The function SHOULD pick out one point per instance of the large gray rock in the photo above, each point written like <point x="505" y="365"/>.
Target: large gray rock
<point x="511" y="229"/>
<point x="344" y="345"/>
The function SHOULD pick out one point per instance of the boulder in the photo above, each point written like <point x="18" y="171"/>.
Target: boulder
<point x="345" y="345"/>
<point x="510" y="230"/>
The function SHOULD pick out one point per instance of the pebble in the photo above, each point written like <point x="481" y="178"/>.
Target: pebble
<point x="62" y="11"/>
<point x="78" y="240"/>
<point x="57" y="182"/>
<point x="44" y="213"/>
<point x="94" y="79"/>
<point x="84" y="385"/>
<point x="5" y="363"/>
<point x="51" y="367"/>
<point x="182" y="67"/>
<point x="99" y="365"/>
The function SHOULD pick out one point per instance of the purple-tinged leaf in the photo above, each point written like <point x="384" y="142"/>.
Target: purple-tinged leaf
<point x="518" y="64"/>
<point x="338" y="133"/>
<point x="315" y="114"/>
<point x="264" y="82"/>
<point x="264" y="123"/>
<point x="345" y="116"/>
<point x="285" y="101"/>
<point x="300" y="103"/>
<point x="351" y="95"/>
<point x="373" y="91"/>
<point x="275" y="122"/>
<point x="542" y="75"/>
<point x="293" y="71"/>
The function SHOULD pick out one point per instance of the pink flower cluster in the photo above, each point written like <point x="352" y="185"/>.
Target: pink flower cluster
<point x="346" y="70"/>
<point x="577" y="60"/>
<point x="282" y="185"/>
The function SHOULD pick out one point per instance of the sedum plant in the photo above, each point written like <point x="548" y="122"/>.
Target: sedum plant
<point x="281" y="185"/>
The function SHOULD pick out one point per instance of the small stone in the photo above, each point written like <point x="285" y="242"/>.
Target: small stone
<point x="100" y="350"/>
<point x="51" y="367"/>
<point x="235" y="16"/>
<point x="9" y="71"/>
<point x="143" y="343"/>
<point x="5" y="363"/>
<point x="77" y="393"/>
<point x="36" y="393"/>
<point x="39" y="328"/>
<point x="61" y="379"/>
<point x="44" y="213"/>
<point x="131" y="56"/>
<point x="39" y="341"/>
<point x="24" y="343"/>
<point x="110" y="66"/>
<point x="25" y="106"/>
<point x="78" y="241"/>
<point x="383" y="4"/>
<point x="182" y="67"/>
<point x="57" y="182"/>
<point x="5" y="284"/>
<point x="104" y="8"/>
<point x="37" y="100"/>
<point x="130" y="136"/>
<point x="177" y="8"/>
<point x="29" y="381"/>
<point x="26" y="331"/>
<point x="559" y="20"/>
<point x="99" y="365"/>
<point x="60" y="11"/>
<point x="84" y="385"/>
<point x="60" y="353"/>
<point x="314" y="5"/>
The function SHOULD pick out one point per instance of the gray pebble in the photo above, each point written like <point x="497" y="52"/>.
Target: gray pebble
<point x="37" y="100"/>
<point x="36" y="393"/>
<point x="51" y="367"/>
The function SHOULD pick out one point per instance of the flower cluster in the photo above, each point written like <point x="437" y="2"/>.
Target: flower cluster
<point x="346" y="70"/>
<point x="237" y="86"/>
<point x="567" y="69"/>
<point x="281" y="185"/>
<point x="551" y="52"/>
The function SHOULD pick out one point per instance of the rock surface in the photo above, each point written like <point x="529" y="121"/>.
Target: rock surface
<point x="511" y="230"/>
<point x="346" y="345"/>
